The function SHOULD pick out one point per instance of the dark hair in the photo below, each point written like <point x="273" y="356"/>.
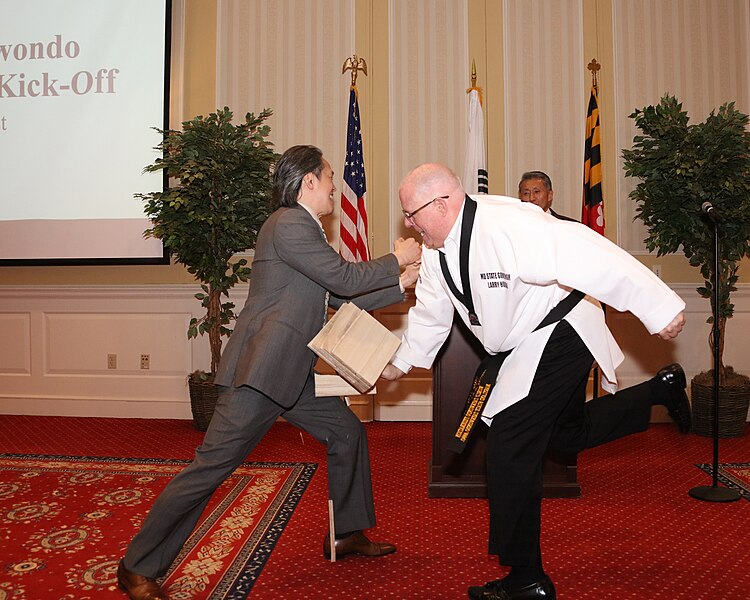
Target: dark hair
<point x="293" y="165"/>
<point x="536" y="175"/>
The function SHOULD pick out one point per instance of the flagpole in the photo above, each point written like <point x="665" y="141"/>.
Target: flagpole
<point x="594" y="67"/>
<point x="475" y="177"/>
<point x="353" y="233"/>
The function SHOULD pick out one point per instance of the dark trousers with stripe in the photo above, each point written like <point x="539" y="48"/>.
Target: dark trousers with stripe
<point x="554" y="415"/>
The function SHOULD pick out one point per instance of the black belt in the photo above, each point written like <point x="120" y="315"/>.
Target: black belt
<point x="486" y="377"/>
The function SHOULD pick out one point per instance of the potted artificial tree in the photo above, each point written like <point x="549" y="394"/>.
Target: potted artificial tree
<point x="220" y="176"/>
<point x="681" y="166"/>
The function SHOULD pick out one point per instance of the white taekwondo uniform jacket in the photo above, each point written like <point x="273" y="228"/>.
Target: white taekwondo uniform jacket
<point x="522" y="262"/>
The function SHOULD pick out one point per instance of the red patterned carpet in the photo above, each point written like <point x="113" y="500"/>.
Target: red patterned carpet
<point x="634" y="534"/>
<point x="71" y="515"/>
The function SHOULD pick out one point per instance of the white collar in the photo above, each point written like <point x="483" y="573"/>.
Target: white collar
<point x="454" y="235"/>
<point x="312" y="214"/>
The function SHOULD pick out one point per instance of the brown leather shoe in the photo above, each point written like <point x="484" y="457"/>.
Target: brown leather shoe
<point x="138" y="587"/>
<point x="357" y="543"/>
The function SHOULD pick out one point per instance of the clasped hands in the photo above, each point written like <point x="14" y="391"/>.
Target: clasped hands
<point x="409" y="254"/>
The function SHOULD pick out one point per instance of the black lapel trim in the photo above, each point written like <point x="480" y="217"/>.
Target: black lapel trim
<point x="467" y="224"/>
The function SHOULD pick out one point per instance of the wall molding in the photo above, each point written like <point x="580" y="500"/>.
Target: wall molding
<point x="55" y="340"/>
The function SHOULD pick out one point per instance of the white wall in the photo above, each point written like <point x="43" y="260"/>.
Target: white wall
<point x="54" y="344"/>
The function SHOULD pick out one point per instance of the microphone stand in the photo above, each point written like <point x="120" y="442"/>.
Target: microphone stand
<point x="714" y="493"/>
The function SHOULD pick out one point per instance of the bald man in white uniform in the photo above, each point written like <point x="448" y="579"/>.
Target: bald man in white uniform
<point x="506" y="265"/>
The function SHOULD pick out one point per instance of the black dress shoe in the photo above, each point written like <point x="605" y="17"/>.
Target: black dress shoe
<point x="357" y="543"/>
<point x="494" y="590"/>
<point x="489" y="590"/>
<point x="673" y="379"/>
<point x="138" y="587"/>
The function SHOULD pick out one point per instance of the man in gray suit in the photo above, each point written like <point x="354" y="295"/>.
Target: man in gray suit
<point x="266" y="372"/>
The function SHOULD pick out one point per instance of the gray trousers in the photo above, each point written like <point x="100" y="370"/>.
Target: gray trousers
<point x="241" y="418"/>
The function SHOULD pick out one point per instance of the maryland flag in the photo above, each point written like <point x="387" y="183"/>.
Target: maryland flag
<point x="592" y="214"/>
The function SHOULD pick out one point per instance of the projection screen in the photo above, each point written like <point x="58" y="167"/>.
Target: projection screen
<point x="83" y="84"/>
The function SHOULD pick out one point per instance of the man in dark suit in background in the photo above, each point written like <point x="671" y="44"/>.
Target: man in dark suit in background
<point x="266" y="372"/>
<point x="536" y="187"/>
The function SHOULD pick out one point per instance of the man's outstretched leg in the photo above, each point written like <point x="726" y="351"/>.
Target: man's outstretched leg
<point x="611" y="417"/>
<point x="241" y="418"/>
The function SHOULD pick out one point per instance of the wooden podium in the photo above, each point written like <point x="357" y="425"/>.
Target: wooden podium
<point x="464" y="475"/>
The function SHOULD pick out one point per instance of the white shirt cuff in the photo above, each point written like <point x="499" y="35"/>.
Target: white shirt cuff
<point x="401" y="365"/>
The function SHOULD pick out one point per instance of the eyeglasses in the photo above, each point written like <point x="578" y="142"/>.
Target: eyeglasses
<point x="410" y="215"/>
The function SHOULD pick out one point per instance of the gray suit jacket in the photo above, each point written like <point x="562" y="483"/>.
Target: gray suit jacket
<point x="292" y="270"/>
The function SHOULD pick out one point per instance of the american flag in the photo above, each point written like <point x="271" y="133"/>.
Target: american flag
<point x="593" y="201"/>
<point x="353" y="231"/>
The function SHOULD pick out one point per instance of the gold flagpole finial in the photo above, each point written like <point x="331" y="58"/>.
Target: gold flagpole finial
<point x="474" y="81"/>
<point x="354" y="64"/>
<point x="594" y="67"/>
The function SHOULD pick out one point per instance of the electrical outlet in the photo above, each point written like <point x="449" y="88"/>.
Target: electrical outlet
<point x="111" y="361"/>
<point x="145" y="361"/>
<point x="657" y="270"/>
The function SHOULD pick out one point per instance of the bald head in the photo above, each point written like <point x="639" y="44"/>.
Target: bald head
<point x="427" y="178"/>
<point x="431" y="198"/>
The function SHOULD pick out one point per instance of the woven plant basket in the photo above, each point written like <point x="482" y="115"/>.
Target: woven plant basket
<point x="733" y="405"/>
<point x="203" y="396"/>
